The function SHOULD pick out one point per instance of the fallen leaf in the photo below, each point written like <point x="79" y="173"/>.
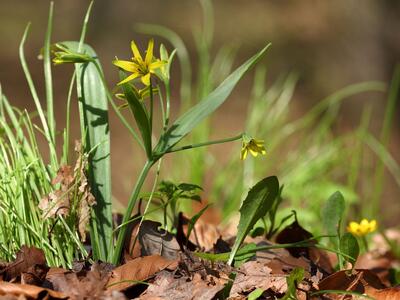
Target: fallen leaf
<point x="292" y="234"/>
<point x="254" y="274"/>
<point x="156" y="241"/>
<point x="27" y="259"/>
<point x="90" y="286"/>
<point x="392" y="293"/>
<point x="358" y="281"/>
<point x="167" y="287"/>
<point x="73" y="193"/>
<point x="23" y="291"/>
<point x="139" y="269"/>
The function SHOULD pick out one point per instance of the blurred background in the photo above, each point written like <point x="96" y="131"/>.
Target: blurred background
<point x="327" y="44"/>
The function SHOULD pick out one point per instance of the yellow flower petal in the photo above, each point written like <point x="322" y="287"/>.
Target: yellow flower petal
<point x="156" y="65"/>
<point x="372" y="226"/>
<point x="135" y="51"/>
<point x="125" y="65"/>
<point x="149" y="53"/>
<point x="254" y="153"/>
<point x="243" y="153"/>
<point x="146" y="79"/>
<point x="129" y="78"/>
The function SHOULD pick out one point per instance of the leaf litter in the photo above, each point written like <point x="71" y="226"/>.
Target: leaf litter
<point x="164" y="267"/>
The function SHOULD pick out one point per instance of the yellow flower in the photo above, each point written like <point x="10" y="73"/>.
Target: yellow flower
<point x="253" y="146"/>
<point x="362" y="228"/>
<point x="140" y="67"/>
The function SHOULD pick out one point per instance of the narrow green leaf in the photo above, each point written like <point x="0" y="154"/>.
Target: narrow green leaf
<point x="93" y="107"/>
<point x="349" y="246"/>
<point x="257" y="203"/>
<point x="332" y="213"/>
<point x="194" y="219"/>
<point x="257" y="293"/>
<point x="189" y="120"/>
<point x="139" y="113"/>
<point x="295" y="277"/>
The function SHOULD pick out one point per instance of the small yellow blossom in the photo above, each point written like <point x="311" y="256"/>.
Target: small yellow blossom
<point x="140" y="67"/>
<point x="362" y="228"/>
<point x="253" y="146"/>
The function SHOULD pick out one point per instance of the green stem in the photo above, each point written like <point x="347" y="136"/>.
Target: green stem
<point x="129" y="209"/>
<point x="231" y="139"/>
<point x="365" y="243"/>
<point x="151" y="109"/>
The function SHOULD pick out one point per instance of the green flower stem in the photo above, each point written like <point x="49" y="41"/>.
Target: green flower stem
<point x="151" y="108"/>
<point x="231" y="139"/>
<point x="168" y="105"/>
<point x="115" y="107"/>
<point x="365" y="243"/>
<point x="129" y="209"/>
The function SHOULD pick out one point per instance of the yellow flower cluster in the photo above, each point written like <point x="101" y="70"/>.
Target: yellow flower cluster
<point x="253" y="146"/>
<point x="138" y="66"/>
<point x="362" y="228"/>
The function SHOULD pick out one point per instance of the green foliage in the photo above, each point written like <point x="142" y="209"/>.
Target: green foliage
<point x="188" y="121"/>
<point x="257" y="293"/>
<point x="295" y="277"/>
<point x="349" y="246"/>
<point x="93" y="108"/>
<point x="332" y="215"/>
<point x="256" y="205"/>
<point x="140" y="115"/>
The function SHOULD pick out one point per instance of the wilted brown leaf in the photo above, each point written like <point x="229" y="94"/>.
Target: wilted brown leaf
<point x="73" y="185"/>
<point x="167" y="287"/>
<point x="255" y="274"/>
<point x="156" y="241"/>
<point x="392" y="293"/>
<point x="23" y="291"/>
<point x="292" y="234"/>
<point x="139" y="269"/>
<point x="89" y="286"/>
<point x="359" y="281"/>
<point x="27" y="259"/>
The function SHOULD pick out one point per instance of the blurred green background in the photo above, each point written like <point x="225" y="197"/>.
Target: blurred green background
<point x="330" y="44"/>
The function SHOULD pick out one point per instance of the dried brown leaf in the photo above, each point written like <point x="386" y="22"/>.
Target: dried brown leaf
<point x="139" y="269"/>
<point x="356" y="281"/>
<point x="255" y="274"/>
<point x="73" y="194"/>
<point x="167" y="287"/>
<point x="90" y="286"/>
<point x="27" y="257"/>
<point x="23" y="291"/>
<point x="392" y="293"/>
<point x="156" y="241"/>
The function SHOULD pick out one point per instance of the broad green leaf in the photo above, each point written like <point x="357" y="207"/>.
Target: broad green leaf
<point x="332" y="214"/>
<point x="189" y="120"/>
<point x="295" y="277"/>
<point x="139" y="113"/>
<point x="349" y="246"/>
<point x="93" y="107"/>
<point x="258" y="202"/>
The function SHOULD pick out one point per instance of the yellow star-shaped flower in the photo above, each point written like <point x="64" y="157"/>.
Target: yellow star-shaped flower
<point x="253" y="146"/>
<point x="362" y="228"/>
<point x="138" y="66"/>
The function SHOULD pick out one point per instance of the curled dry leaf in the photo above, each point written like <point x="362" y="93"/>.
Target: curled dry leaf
<point x="91" y="285"/>
<point x="28" y="259"/>
<point x="167" y="287"/>
<point x="73" y="194"/>
<point x="156" y="241"/>
<point x="139" y="269"/>
<point x="25" y="291"/>
<point x="359" y="281"/>
<point x="255" y="274"/>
